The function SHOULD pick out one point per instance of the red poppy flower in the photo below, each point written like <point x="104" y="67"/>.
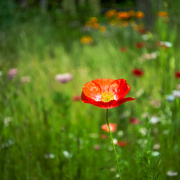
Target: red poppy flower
<point x="177" y="74"/>
<point x="123" y="49"/>
<point x="121" y="143"/>
<point x="106" y="93"/>
<point x="138" y="72"/>
<point x="134" y="120"/>
<point x="76" y="98"/>
<point x="112" y="126"/>
<point x="139" y="45"/>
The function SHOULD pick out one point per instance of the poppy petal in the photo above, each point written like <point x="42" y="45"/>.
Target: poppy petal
<point x="104" y="83"/>
<point x="120" y="88"/>
<point x="92" y="90"/>
<point x="104" y="105"/>
<point x="113" y="127"/>
<point x="124" y="100"/>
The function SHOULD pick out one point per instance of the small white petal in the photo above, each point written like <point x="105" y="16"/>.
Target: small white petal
<point x="154" y="120"/>
<point x="172" y="173"/>
<point x="155" y="153"/>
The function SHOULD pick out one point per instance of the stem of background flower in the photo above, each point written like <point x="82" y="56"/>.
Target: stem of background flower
<point x="113" y="145"/>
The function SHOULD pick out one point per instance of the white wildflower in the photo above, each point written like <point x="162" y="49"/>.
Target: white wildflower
<point x="154" y="120"/>
<point x="155" y="153"/>
<point x="7" y="120"/>
<point x="172" y="173"/>
<point x="176" y="93"/>
<point x="143" y="131"/>
<point x="49" y="156"/>
<point x="67" y="154"/>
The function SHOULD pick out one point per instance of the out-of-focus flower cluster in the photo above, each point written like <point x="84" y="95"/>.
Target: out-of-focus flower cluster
<point x="124" y="15"/>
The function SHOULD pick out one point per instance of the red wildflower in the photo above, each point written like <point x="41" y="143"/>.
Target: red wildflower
<point x="142" y="31"/>
<point x="103" y="136"/>
<point x="106" y="93"/>
<point x="121" y="143"/>
<point x="112" y="126"/>
<point x="134" y="120"/>
<point x="139" y="45"/>
<point x="138" y="72"/>
<point x="177" y="74"/>
<point x="123" y="49"/>
<point x="76" y="98"/>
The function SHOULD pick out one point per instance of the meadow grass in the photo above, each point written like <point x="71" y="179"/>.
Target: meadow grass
<point x="47" y="135"/>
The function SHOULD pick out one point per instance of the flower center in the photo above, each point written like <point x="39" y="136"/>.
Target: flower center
<point x="107" y="96"/>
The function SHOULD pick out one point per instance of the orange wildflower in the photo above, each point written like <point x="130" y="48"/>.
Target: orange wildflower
<point x="94" y="19"/>
<point x="139" y="14"/>
<point x="112" y="126"/>
<point x="123" y="15"/>
<point x="111" y="13"/>
<point x="162" y="14"/>
<point x="95" y="25"/>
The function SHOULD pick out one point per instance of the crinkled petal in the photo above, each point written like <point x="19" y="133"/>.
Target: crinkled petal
<point x="104" y="83"/>
<point x="119" y="88"/>
<point x="92" y="90"/>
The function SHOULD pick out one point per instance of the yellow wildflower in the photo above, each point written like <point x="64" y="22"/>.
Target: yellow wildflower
<point x="86" y="40"/>
<point x="102" y="29"/>
<point x="112" y="22"/>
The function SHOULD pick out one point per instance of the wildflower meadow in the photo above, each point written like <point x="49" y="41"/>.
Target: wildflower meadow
<point x="89" y="92"/>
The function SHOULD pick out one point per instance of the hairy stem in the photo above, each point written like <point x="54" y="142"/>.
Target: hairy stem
<point x="113" y="145"/>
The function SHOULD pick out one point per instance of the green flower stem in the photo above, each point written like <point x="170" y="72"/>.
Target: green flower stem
<point x="113" y="145"/>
